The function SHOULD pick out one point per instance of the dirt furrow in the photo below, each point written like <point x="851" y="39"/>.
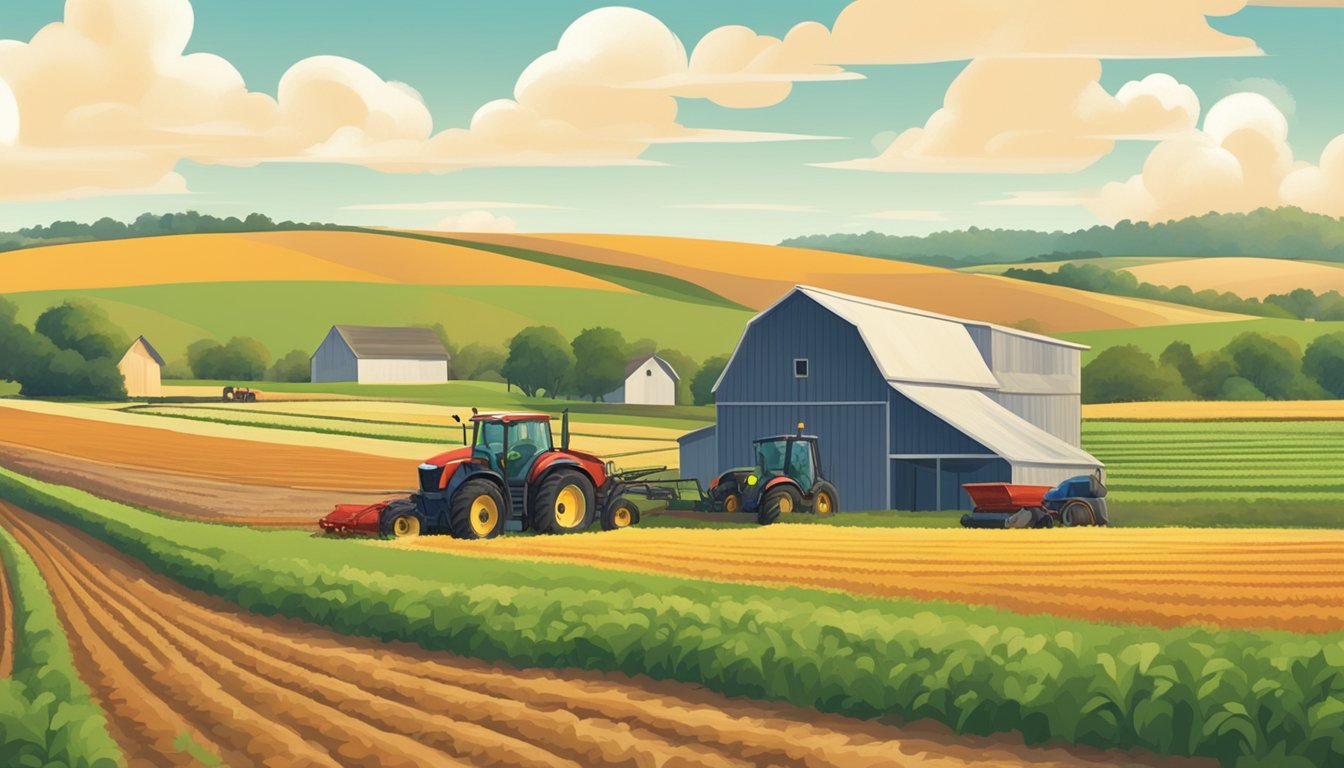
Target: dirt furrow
<point x="7" y="619"/>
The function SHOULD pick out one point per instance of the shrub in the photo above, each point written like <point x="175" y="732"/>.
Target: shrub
<point x="241" y="359"/>
<point x="294" y="366"/>
<point x="479" y="362"/>
<point x="1127" y="374"/>
<point x="1324" y="363"/>
<point x="702" y="386"/>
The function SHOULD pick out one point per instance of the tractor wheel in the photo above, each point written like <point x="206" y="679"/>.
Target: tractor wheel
<point x="732" y="503"/>
<point x="564" y="503"/>
<point x="825" y="499"/>
<point x="780" y="500"/>
<point x="1076" y="513"/>
<point x="477" y="511"/>
<point x="228" y="394"/>
<point x="400" y="520"/>
<point x="622" y="514"/>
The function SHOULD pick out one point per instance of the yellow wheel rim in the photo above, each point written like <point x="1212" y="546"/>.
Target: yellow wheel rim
<point x="569" y="506"/>
<point x="732" y="503"/>
<point x="785" y="504"/>
<point x="406" y="525"/>
<point x="484" y="515"/>
<point x="824" y="503"/>
<point x="622" y="517"/>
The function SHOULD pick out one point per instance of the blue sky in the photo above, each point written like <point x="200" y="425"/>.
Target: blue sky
<point x="460" y="55"/>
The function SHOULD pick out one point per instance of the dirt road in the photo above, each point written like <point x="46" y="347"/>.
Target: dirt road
<point x="165" y="661"/>
<point x="1249" y="578"/>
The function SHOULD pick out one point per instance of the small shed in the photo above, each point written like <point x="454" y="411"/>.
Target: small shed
<point x="141" y="367"/>
<point x="380" y="355"/>
<point x="649" y="380"/>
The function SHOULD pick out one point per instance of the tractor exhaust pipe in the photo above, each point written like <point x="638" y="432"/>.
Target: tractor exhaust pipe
<point x="564" y="429"/>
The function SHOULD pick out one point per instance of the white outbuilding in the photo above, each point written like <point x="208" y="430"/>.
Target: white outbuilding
<point x="376" y="355"/>
<point x="649" y="380"/>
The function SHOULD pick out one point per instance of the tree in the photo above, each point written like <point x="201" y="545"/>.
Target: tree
<point x="685" y="366"/>
<point x="84" y="327"/>
<point x="702" y="386"/>
<point x="539" y="360"/>
<point x="641" y="348"/>
<point x="1324" y="363"/>
<point x="448" y="347"/>
<point x="41" y="368"/>
<point x="479" y="362"/>
<point x="1128" y="374"/>
<point x="241" y="359"/>
<point x="1272" y="366"/>
<point x="293" y="366"/>
<point x="599" y="361"/>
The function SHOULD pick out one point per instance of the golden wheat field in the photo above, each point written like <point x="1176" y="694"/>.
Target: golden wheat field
<point x="1261" y="578"/>
<point x="1208" y="410"/>
<point x="1243" y="275"/>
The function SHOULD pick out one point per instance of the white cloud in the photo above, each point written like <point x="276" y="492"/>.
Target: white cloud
<point x="905" y="215"/>
<point x="477" y="221"/>
<point x="779" y="207"/>
<point x="1041" y="199"/>
<point x="447" y="205"/>
<point x="1030" y="115"/>
<point x="1271" y="89"/>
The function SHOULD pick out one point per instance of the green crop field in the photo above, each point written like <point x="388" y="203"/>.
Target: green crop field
<point x="1243" y="461"/>
<point x="1202" y="337"/>
<point x="297" y="315"/>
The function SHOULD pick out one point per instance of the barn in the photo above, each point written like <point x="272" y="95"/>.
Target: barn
<point x="141" y="369"/>
<point x="908" y="405"/>
<point x="377" y="355"/>
<point x="649" y="380"/>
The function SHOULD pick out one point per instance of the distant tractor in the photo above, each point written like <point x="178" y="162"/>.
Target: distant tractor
<point x="234" y="394"/>
<point x="787" y="478"/>
<point x="1077" y="501"/>
<point x="509" y="477"/>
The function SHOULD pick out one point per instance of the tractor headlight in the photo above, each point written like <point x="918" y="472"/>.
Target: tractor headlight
<point x="752" y="479"/>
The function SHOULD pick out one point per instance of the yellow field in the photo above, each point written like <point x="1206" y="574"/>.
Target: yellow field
<point x="274" y="256"/>
<point x="1260" y="578"/>
<point x="756" y="275"/>
<point x="1244" y="276"/>
<point x="1270" y="410"/>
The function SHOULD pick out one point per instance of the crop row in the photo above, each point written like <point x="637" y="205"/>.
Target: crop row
<point x="1244" y="698"/>
<point x="46" y="714"/>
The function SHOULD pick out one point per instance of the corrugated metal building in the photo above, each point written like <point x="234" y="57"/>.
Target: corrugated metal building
<point x="908" y="404"/>
<point x="374" y="355"/>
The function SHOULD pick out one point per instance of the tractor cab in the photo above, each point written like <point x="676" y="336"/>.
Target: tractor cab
<point x="509" y="443"/>
<point x="787" y="477"/>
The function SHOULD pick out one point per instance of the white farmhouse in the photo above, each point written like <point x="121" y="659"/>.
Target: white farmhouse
<point x="374" y="355"/>
<point x="648" y="381"/>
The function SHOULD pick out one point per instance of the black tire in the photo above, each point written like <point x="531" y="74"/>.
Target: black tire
<point x="228" y="394"/>
<point x="621" y="514"/>
<point x="779" y="500"/>
<point x="477" y="511"/>
<point x="828" y="490"/>
<point x="401" y="509"/>
<point x="1076" y="513"/>
<point x="1045" y="521"/>
<point x="547" y="513"/>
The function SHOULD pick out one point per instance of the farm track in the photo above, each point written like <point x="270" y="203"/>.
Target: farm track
<point x="1166" y="577"/>
<point x="264" y="691"/>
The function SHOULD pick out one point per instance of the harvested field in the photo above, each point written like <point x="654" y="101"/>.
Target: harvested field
<point x="1166" y="577"/>
<point x="1246" y="276"/>
<point x="254" y="690"/>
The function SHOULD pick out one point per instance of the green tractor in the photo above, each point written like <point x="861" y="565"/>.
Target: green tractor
<point x="786" y="479"/>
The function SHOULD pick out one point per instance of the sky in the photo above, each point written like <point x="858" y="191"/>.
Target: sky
<point x="696" y="118"/>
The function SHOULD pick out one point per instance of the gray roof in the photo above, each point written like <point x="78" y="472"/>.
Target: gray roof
<point x="154" y="353"/>
<point x="634" y="364"/>
<point x="376" y="342"/>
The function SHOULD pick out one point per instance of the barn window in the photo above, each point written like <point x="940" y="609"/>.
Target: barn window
<point x="649" y="372"/>
<point x="800" y="368"/>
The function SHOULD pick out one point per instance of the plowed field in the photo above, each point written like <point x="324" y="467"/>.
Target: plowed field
<point x="164" y="662"/>
<point x="1255" y="578"/>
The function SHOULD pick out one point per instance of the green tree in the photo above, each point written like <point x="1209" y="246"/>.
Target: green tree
<point x="641" y="348"/>
<point x="43" y="369"/>
<point x="479" y="362"/>
<point x="295" y="365"/>
<point x="241" y="359"/>
<point x="196" y="351"/>
<point x="1126" y="374"/>
<point x="599" y="362"/>
<point x="448" y="346"/>
<point x="702" y="386"/>
<point x="1272" y="366"/>
<point x="539" y="360"/>
<point x="84" y="327"/>
<point x="1324" y="363"/>
<point x="685" y="366"/>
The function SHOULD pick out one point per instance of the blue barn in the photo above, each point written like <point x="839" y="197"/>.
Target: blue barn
<point x="908" y="405"/>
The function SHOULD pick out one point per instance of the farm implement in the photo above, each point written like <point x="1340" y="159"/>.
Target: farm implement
<point x="1077" y="501"/>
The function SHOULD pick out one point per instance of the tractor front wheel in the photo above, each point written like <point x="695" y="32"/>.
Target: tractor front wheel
<point x="477" y="511"/>
<point x="564" y="503"/>
<point x="1076" y="513"/>
<point x="780" y="500"/>
<point x="622" y="514"/>
<point x="825" y="499"/>
<point x="400" y="520"/>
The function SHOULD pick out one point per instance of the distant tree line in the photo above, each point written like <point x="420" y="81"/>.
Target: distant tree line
<point x="1250" y="367"/>
<point x="72" y="351"/>
<point x="1301" y="304"/>
<point x="1286" y="233"/>
<point x="147" y="225"/>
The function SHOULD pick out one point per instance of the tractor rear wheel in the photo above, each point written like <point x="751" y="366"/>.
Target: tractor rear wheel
<point x="825" y="499"/>
<point x="477" y="511"/>
<point x="400" y="521"/>
<point x="622" y="514"/>
<point x="780" y="500"/>
<point x="564" y="503"/>
<point x="1076" y="513"/>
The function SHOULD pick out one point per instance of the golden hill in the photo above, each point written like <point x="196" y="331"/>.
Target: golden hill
<point x="1243" y="275"/>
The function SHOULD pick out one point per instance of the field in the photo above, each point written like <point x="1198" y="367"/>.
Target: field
<point x="1105" y="262"/>
<point x="1244" y="276"/>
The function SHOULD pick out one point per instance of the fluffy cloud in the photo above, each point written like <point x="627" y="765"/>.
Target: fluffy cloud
<point x="477" y="221"/>
<point x="1027" y="115"/>
<point x="1239" y="161"/>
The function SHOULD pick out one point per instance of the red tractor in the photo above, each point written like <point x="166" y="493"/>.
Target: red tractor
<point x="508" y="477"/>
